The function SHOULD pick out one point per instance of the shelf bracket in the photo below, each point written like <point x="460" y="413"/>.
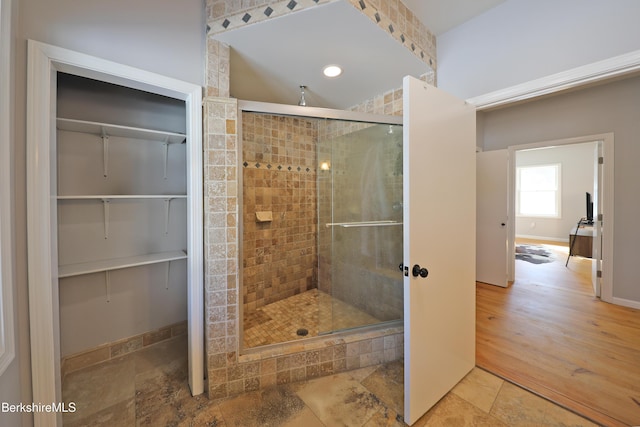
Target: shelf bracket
<point x="167" y="271"/>
<point x="107" y="284"/>
<point x="167" y="204"/>
<point x="105" y="153"/>
<point x="105" y="207"/>
<point x="166" y="156"/>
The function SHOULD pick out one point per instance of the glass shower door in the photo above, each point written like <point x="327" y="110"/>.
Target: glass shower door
<point x="360" y="224"/>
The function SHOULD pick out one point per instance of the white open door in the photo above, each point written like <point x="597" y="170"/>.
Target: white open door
<point x="439" y="237"/>
<point x="596" y="251"/>
<point x="492" y="209"/>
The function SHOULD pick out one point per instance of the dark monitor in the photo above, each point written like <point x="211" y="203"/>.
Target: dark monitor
<point x="589" y="209"/>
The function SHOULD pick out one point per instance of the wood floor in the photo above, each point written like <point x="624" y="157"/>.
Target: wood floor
<point x="549" y="334"/>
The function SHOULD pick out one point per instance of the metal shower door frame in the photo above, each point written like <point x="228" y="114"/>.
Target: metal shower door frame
<point x="293" y="111"/>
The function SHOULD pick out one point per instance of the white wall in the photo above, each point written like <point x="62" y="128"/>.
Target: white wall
<point x="14" y="355"/>
<point x="577" y="164"/>
<point x="162" y="36"/>
<point x="521" y="40"/>
<point x="611" y="107"/>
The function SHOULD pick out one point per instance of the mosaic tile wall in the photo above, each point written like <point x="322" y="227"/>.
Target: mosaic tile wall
<point x="388" y="103"/>
<point x="229" y="372"/>
<point x="116" y="349"/>
<point x="217" y="69"/>
<point x="220" y="237"/>
<point x="390" y="15"/>
<point x="279" y="178"/>
<point x="225" y="15"/>
<point x="401" y="24"/>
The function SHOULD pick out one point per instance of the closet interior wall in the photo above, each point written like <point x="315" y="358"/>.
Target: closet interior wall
<point x="112" y="209"/>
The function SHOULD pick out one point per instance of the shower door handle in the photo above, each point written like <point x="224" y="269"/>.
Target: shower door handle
<point x="419" y="271"/>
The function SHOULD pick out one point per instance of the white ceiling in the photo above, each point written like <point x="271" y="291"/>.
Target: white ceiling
<point x="439" y="16"/>
<point x="271" y="59"/>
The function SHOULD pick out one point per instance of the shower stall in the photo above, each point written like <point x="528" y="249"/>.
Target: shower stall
<point x="321" y="230"/>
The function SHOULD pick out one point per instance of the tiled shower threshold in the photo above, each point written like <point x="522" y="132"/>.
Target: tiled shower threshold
<point x="275" y="329"/>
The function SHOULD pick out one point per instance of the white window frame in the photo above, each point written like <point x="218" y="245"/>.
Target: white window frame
<point x="7" y="338"/>
<point x="558" y="191"/>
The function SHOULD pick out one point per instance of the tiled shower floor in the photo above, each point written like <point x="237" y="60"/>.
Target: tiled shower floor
<point x="311" y="310"/>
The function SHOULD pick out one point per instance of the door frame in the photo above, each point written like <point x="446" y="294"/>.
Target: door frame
<point x="44" y="62"/>
<point x="598" y="71"/>
<point x="295" y="111"/>
<point x="605" y="195"/>
<point x="7" y="326"/>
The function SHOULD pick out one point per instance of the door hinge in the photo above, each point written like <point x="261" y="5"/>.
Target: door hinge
<point x="599" y="274"/>
<point x="600" y="160"/>
<point x="599" y="217"/>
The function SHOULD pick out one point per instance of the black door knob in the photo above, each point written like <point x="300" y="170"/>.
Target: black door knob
<point x="419" y="271"/>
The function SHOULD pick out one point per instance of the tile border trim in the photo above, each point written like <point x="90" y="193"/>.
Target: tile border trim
<point x="115" y="349"/>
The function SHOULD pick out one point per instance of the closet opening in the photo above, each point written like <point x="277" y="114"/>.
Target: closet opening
<point x="114" y="179"/>
<point x="122" y="239"/>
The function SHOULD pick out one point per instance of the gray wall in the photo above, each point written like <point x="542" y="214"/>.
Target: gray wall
<point x="612" y="107"/>
<point x="577" y="166"/>
<point x="16" y="372"/>
<point x="139" y="301"/>
<point x="521" y="40"/>
<point x="162" y="36"/>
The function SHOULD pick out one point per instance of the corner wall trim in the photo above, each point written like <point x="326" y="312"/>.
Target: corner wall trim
<point x="613" y="67"/>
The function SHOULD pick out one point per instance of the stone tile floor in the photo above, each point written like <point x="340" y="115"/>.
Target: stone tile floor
<point x="149" y="388"/>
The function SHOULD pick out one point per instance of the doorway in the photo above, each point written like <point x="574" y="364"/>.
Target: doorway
<point x="554" y="230"/>
<point x="45" y="62"/>
<point x="522" y="329"/>
<point x="598" y="170"/>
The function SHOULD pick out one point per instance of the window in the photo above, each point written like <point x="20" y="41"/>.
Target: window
<point x="538" y="191"/>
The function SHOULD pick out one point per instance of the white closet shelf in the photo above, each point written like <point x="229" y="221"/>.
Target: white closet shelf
<point x="101" y="129"/>
<point x="122" y="196"/>
<point x="118" y="263"/>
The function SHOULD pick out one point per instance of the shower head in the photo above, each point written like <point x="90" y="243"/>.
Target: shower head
<point x="302" y="102"/>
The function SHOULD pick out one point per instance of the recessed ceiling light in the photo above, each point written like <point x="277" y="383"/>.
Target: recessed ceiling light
<point x="332" y="71"/>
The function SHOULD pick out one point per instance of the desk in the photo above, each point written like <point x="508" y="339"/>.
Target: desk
<point x="583" y="245"/>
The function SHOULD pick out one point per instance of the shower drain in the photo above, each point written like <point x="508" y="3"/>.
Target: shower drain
<point x="302" y="332"/>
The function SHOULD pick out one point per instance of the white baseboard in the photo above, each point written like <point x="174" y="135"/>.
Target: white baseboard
<point x="626" y="302"/>
<point x="551" y="239"/>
